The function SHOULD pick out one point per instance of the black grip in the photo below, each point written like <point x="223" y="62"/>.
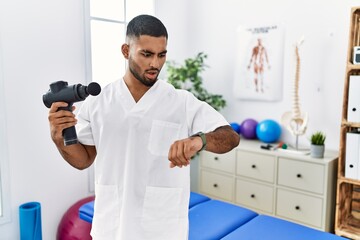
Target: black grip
<point x="69" y="134"/>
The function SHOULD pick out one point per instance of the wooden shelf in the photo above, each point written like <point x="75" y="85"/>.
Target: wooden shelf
<point x="350" y="229"/>
<point x="348" y="232"/>
<point x="344" y="123"/>
<point x="343" y="179"/>
<point x="352" y="67"/>
<point x="347" y="215"/>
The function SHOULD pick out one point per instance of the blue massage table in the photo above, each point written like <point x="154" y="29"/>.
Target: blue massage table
<point x="217" y="220"/>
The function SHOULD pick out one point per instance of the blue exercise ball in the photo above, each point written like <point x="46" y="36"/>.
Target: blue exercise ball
<point x="236" y="127"/>
<point x="268" y="131"/>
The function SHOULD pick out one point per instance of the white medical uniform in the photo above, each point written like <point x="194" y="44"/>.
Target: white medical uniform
<point x="138" y="196"/>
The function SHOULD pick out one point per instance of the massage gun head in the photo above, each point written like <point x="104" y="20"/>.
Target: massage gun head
<point x="60" y="92"/>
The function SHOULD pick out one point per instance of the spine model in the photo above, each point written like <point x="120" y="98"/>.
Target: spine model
<point x="296" y="120"/>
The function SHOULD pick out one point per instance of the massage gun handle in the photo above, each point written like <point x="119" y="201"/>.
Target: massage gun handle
<point x="69" y="134"/>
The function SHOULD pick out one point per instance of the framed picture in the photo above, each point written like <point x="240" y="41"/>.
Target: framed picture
<point x="259" y="63"/>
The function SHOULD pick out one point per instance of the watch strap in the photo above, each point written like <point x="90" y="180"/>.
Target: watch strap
<point x="203" y="139"/>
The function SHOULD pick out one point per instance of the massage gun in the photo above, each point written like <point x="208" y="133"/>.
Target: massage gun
<point x="60" y="92"/>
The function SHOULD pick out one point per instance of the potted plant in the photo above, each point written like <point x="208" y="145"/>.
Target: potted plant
<point x="188" y="77"/>
<point x="317" y="147"/>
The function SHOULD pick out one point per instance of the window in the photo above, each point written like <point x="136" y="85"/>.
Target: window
<point x="105" y="29"/>
<point x="105" y="33"/>
<point x="4" y="167"/>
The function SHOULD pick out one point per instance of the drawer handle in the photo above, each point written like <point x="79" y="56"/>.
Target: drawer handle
<point x="252" y="195"/>
<point x="297" y="207"/>
<point x="216" y="158"/>
<point x="215" y="185"/>
<point x="298" y="175"/>
<point x="253" y="166"/>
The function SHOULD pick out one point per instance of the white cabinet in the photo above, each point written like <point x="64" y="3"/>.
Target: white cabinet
<point x="291" y="186"/>
<point x="256" y="166"/>
<point x="221" y="162"/>
<point x="300" y="207"/>
<point x="301" y="175"/>
<point x="217" y="185"/>
<point x="254" y="195"/>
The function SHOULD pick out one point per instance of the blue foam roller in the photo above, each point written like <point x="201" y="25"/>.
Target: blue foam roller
<point x="30" y="221"/>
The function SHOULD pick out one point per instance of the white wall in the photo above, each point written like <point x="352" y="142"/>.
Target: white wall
<point x="42" y="42"/>
<point x="210" y="26"/>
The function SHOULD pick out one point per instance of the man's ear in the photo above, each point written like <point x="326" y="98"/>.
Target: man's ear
<point x="125" y="50"/>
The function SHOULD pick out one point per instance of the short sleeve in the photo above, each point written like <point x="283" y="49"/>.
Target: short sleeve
<point x="83" y="126"/>
<point x="201" y="116"/>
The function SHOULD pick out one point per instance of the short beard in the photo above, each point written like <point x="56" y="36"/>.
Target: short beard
<point x="133" y="67"/>
<point x="141" y="79"/>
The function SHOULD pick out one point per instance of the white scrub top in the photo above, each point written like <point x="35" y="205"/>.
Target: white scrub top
<point x="138" y="196"/>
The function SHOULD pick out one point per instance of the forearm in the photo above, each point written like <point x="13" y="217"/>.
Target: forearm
<point x="222" y="140"/>
<point x="77" y="155"/>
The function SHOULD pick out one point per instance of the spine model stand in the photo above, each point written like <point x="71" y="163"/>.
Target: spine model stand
<point x="296" y="120"/>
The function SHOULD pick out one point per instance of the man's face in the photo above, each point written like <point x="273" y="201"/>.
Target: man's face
<point x="147" y="56"/>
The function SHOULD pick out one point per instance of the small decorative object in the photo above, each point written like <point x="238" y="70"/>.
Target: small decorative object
<point x="295" y="120"/>
<point x="188" y="77"/>
<point x="248" y="128"/>
<point x="317" y="147"/>
<point x="268" y="131"/>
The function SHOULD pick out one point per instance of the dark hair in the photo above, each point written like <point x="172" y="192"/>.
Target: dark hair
<point x="146" y="25"/>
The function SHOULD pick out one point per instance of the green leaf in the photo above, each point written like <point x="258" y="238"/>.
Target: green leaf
<point x="318" y="138"/>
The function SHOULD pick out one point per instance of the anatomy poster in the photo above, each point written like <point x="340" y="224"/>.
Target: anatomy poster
<point x="259" y="63"/>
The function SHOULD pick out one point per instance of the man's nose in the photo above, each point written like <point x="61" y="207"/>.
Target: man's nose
<point x="155" y="62"/>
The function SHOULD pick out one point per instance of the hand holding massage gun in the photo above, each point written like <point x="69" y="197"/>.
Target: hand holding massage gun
<point x="60" y="92"/>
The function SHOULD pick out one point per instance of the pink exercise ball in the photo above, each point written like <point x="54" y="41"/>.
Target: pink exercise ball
<point x="71" y="227"/>
<point x="248" y="128"/>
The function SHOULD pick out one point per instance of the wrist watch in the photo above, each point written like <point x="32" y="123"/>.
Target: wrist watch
<point x="203" y="139"/>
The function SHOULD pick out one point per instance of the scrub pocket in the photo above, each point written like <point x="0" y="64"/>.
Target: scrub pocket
<point x="161" y="210"/>
<point x="162" y="135"/>
<point x="106" y="209"/>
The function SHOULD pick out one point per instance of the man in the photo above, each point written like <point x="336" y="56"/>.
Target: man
<point x="259" y="54"/>
<point x="143" y="134"/>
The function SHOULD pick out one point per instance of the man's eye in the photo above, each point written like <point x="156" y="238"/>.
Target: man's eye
<point x="147" y="54"/>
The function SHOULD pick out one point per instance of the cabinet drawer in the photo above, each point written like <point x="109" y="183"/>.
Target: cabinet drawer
<point x="299" y="207"/>
<point x="217" y="185"/>
<point x="254" y="195"/>
<point x="223" y="162"/>
<point x="257" y="166"/>
<point x="301" y="175"/>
